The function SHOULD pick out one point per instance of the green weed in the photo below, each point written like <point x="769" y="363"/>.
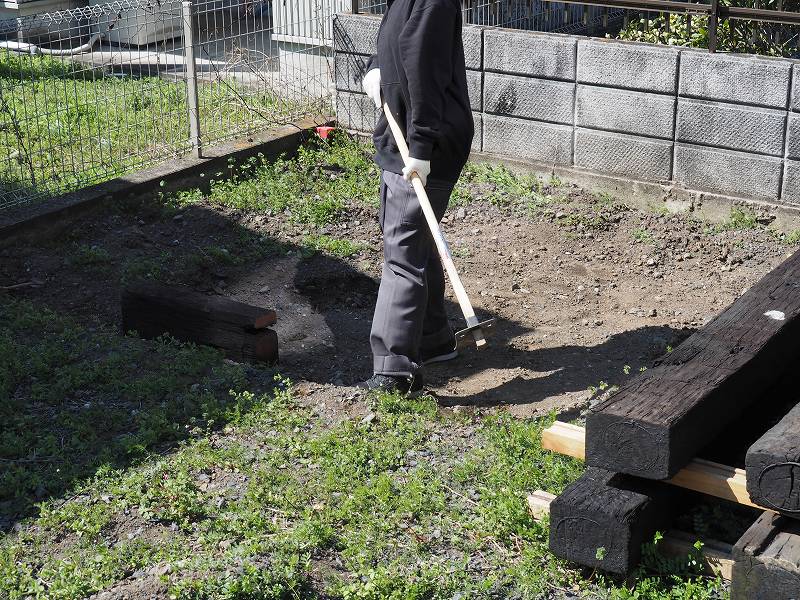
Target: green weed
<point x="339" y="247"/>
<point x="643" y="236"/>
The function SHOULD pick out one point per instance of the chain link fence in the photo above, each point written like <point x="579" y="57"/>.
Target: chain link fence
<point x="92" y="93"/>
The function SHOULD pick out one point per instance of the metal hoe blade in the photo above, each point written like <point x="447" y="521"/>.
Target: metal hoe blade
<point x="464" y="337"/>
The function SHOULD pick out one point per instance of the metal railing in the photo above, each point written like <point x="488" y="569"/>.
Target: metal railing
<point x="527" y="15"/>
<point x="93" y="93"/>
<point x="755" y="26"/>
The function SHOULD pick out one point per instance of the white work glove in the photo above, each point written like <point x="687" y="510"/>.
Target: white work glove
<point x="372" y="86"/>
<point x="420" y="167"/>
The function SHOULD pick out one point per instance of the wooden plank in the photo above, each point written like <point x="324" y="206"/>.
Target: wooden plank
<point x="602" y="519"/>
<point x="773" y="467"/>
<point x="152" y="309"/>
<point x="717" y="558"/>
<point x="767" y="560"/>
<point x="655" y="424"/>
<point x="713" y="479"/>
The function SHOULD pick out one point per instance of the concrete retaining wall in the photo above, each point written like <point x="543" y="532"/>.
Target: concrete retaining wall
<point x="728" y="125"/>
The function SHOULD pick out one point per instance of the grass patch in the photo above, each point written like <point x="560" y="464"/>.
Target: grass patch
<point x="72" y="401"/>
<point x="338" y="247"/>
<point x="89" y="125"/>
<point x="314" y="188"/>
<point x="739" y="220"/>
<point x="643" y="236"/>
<point x="413" y="503"/>
<point x="792" y="238"/>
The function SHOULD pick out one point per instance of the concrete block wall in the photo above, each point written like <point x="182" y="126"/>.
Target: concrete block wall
<point x="719" y="123"/>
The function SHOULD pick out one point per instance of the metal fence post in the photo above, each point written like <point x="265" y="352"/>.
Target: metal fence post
<point x="713" y="22"/>
<point x="354" y="7"/>
<point x="191" y="76"/>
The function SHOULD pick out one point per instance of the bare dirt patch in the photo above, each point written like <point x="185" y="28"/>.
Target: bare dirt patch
<point x="585" y="289"/>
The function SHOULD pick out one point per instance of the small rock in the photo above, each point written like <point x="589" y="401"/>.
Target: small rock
<point x="461" y="213"/>
<point x="653" y="313"/>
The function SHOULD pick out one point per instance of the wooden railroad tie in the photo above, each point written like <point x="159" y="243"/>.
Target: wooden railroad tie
<point x="659" y="421"/>
<point x="240" y="330"/>
<point x="713" y="479"/>
<point x="717" y="556"/>
<point x="773" y="467"/>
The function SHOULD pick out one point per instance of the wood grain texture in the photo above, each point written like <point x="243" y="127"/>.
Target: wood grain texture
<point x="717" y="558"/>
<point x="773" y="467"/>
<point x="655" y="424"/>
<point x="240" y="330"/>
<point x="767" y="560"/>
<point x="602" y="519"/>
<point x="713" y="479"/>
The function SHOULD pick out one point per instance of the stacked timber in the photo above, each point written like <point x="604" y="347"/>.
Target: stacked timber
<point x="240" y="330"/>
<point x="654" y="430"/>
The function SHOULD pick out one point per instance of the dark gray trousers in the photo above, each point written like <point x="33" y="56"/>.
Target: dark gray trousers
<point x="410" y="312"/>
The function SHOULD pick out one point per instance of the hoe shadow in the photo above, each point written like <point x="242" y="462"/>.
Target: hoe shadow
<point x="345" y="297"/>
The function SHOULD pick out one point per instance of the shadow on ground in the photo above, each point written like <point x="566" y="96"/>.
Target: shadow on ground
<point x="324" y="308"/>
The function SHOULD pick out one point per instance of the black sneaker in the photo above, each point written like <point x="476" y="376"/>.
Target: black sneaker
<point x="441" y="353"/>
<point x="407" y="386"/>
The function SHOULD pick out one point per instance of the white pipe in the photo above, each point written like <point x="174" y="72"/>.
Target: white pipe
<point x="25" y="48"/>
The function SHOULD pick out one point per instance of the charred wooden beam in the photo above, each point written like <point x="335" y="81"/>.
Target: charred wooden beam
<point x="602" y="520"/>
<point x="716" y="555"/>
<point x="653" y="426"/>
<point x="767" y="560"/>
<point x="240" y="330"/>
<point x="773" y="467"/>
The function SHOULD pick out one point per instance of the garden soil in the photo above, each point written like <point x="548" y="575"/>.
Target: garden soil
<point x="586" y="291"/>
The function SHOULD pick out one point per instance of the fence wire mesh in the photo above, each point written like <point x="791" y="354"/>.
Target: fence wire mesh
<point x="96" y="92"/>
<point x="680" y="27"/>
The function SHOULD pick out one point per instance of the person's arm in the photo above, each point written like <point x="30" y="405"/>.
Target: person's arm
<point x="426" y="51"/>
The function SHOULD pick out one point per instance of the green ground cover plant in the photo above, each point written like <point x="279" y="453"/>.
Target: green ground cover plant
<point x="129" y="462"/>
<point x="249" y="494"/>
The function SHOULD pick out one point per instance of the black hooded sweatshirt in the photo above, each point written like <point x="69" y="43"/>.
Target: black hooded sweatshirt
<point x="424" y="81"/>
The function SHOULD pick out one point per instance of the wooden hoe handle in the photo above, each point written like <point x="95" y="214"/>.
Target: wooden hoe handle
<point x="438" y="237"/>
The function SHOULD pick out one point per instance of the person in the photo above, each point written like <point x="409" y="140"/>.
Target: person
<point x="419" y="72"/>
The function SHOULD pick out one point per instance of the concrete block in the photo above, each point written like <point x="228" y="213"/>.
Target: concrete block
<point x="473" y="46"/>
<point x="630" y="156"/>
<point x="529" y="53"/>
<point x="728" y="172"/>
<point x="638" y="113"/>
<point x="355" y="112"/>
<point x="475" y="89"/>
<point x="477" y="141"/>
<point x="531" y="98"/>
<point x="627" y="65"/>
<point x="349" y="71"/>
<point x="795" y="102"/>
<point x="527" y="140"/>
<point x="791" y="183"/>
<point x="793" y="141"/>
<point x="731" y="126"/>
<point x="735" y="78"/>
<point x="356" y="34"/>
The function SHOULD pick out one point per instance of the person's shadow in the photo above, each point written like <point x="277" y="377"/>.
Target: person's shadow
<point x="544" y="373"/>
